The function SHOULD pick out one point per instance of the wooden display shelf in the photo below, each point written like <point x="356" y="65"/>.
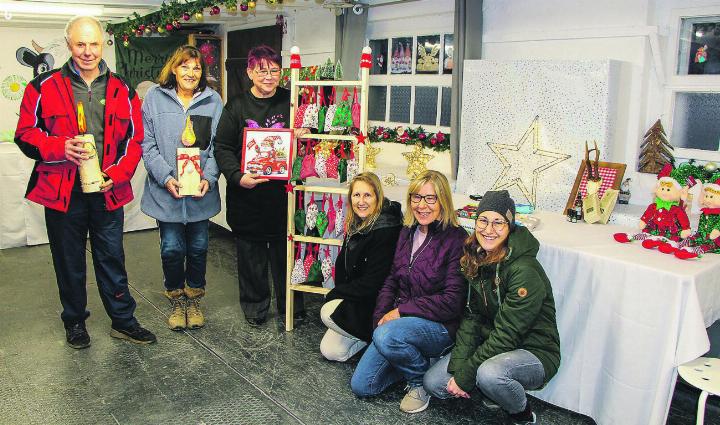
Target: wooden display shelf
<point x="320" y="241"/>
<point x="323" y="189"/>
<point x="310" y="288"/>
<point x="348" y="83"/>
<point x="295" y="84"/>
<point x="322" y="136"/>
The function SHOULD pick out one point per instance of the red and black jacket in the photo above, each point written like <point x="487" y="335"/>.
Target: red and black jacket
<point x="48" y="118"/>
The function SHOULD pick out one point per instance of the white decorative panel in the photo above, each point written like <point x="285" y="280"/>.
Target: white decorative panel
<point x="525" y="123"/>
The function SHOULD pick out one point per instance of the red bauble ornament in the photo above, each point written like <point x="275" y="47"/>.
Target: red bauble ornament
<point x="215" y="10"/>
<point x="169" y="27"/>
<point x="138" y="32"/>
<point x="244" y="7"/>
<point x="141" y="27"/>
<point x="176" y="24"/>
<point x="126" y="37"/>
<point x="186" y="16"/>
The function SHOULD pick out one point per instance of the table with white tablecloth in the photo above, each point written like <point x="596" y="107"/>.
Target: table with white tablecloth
<point x="23" y="222"/>
<point x="627" y="318"/>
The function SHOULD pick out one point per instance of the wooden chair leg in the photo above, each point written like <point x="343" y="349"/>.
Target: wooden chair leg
<point x="701" y="408"/>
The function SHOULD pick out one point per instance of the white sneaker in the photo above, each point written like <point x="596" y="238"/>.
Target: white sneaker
<point x="416" y="400"/>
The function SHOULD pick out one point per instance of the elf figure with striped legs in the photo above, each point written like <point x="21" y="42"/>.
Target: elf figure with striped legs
<point x="664" y="222"/>
<point x="707" y="237"/>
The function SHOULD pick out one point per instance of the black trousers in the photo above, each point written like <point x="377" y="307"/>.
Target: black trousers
<point x="253" y="259"/>
<point x="68" y="234"/>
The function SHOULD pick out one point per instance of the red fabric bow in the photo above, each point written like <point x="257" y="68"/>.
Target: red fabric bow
<point x="195" y="159"/>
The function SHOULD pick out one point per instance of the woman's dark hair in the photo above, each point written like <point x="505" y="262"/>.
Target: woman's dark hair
<point x="182" y="54"/>
<point x="263" y="53"/>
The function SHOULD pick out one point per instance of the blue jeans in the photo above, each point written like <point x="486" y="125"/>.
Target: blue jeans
<point x="400" y="349"/>
<point x="503" y="378"/>
<point x="183" y="249"/>
<point x="67" y="233"/>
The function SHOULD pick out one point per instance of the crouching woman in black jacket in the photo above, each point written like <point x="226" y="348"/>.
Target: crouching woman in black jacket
<point x="372" y="226"/>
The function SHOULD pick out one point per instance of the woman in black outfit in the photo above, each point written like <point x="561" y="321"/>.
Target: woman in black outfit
<point x="372" y="226"/>
<point x="257" y="207"/>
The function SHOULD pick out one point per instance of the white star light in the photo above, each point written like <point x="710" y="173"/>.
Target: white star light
<point x="523" y="162"/>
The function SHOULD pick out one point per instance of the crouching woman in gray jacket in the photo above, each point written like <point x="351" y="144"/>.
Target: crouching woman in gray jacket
<point x="181" y="111"/>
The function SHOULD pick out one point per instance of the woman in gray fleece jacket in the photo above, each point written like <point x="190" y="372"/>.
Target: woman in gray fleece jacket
<point x="182" y="93"/>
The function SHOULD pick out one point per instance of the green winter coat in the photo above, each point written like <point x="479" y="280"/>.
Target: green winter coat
<point x="520" y="314"/>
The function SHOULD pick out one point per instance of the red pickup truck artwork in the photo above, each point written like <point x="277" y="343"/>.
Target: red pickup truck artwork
<point x="268" y="160"/>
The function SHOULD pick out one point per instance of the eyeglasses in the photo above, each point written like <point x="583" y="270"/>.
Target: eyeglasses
<point x="265" y="72"/>
<point x="497" y="225"/>
<point x="415" y="198"/>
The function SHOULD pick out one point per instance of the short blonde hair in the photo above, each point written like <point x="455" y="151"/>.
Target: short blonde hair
<point x="353" y="223"/>
<point x="444" y="195"/>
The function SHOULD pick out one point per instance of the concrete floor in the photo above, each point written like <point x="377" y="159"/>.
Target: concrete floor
<point x="225" y="373"/>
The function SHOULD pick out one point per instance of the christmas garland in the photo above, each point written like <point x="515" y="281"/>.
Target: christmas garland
<point x="705" y="173"/>
<point x="171" y="16"/>
<point x="439" y="141"/>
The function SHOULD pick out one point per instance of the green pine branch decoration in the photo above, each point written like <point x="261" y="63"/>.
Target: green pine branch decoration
<point x="439" y="142"/>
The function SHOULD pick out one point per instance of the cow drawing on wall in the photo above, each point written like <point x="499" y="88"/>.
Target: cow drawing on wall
<point x="40" y="62"/>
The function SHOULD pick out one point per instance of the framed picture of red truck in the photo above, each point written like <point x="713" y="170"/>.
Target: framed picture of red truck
<point x="267" y="152"/>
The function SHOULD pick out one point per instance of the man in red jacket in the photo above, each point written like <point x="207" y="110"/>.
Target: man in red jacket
<point x="46" y="132"/>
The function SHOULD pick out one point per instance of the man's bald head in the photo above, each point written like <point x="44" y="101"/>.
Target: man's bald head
<point x="84" y="36"/>
<point x="79" y="20"/>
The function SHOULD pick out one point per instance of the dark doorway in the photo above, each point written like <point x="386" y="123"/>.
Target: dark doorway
<point x="238" y="44"/>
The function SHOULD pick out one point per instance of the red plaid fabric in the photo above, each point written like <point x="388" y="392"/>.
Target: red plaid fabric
<point x="607" y="175"/>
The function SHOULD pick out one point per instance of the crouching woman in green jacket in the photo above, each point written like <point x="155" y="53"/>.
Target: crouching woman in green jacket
<point x="508" y="340"/>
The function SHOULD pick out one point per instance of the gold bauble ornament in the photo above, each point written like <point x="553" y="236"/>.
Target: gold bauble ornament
<point x="417" y="161"/>
<point x="231" y="10"/>
<point x="148" y="31"/>
<point x="370" y="153"/>
<point x="199" y="17"/>
<point x="126" y="43"/>
<point x="710" y="167"/>
<point x="161" y="29"/>
<point x="251" y="4"/>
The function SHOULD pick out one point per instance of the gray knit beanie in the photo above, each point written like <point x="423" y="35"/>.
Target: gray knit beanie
<point x="500" y="202"/>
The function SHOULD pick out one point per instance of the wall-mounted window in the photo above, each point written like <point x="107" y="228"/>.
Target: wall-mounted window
<point x="410" y="80"/>
<point x="696" y="121"/>
<point x="699" y="46"/>
<point x="692" y="119"/>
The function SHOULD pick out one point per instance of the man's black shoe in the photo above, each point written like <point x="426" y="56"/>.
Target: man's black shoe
<point x="135" y="333"/>
<point x="255" y="321"/>
<point x="77" y="336"/>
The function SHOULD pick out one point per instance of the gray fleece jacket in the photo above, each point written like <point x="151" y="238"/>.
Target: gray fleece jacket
<point x="164" y="119"/>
